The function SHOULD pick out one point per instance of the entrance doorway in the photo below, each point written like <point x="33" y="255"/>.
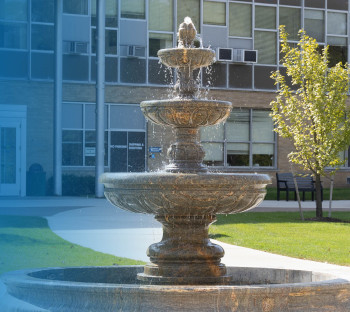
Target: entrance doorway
<point x="127" y="151"/>
<point x="12" y="150"/>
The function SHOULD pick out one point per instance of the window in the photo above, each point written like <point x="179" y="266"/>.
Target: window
<point x="336" y="23"/>
<point x="214" y="13"/>
<point x="267" y="1"/>
<point x="315" y="3"/>
<point x="127" y="117"/>
<point x="159" y="41"/>
<point x="240" y="76"/>
<point x="291" y="2"/>
<point x="213" y="143"/>
<point x="111" y="69"/>
<point x="75" y="67"/>
<point x="266" y="44"/>
<point x="265" y="17"/>
<point x="42" y="65"/>
<point x="262" y="79"/>
<point x="159" y="74"/>
<point x="133" y="9"/>
<point x="214" y="75"/>
<point x="90" y="148"/>
<point x="14" y="64"/>
<point x="13" y="35"/>
<point x="43" y="11"/>
<point x="79" y="136"/>
<point x="72" y="148"/>
<point x="336" y="38"/>
<point x="13" y="10"/>
<point x="290" y="17"/>
<point x="161" y="15"/>
<point x="77" y="153"/>
<point x="240" y="20"/>
<point x="337" y="4"/>
<point x="111" y="13"/>
<point x="188" y="8"/>
<point x="246" y="139"/>
<point x="110" y="41"/>
<point x="132" y="70"/>
<point x="345" y="155"/>
<point x="43" y="37"/>
<point x="338" y="50"/>
<point x="75" y="7"/>
<point x="314" y="24"/>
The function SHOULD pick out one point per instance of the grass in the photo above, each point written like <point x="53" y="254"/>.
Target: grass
<point x="338" y="194"/>
<point x="28" y="242"/>
<point x="284" y="233"/>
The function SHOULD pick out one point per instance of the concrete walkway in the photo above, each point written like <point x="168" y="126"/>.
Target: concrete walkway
<point x="97" y="224"/>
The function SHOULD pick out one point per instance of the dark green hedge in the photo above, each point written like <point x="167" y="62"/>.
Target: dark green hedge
<point x="73" y="185"/>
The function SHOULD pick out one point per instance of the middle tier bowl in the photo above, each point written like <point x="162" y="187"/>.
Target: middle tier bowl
<point x="178" y="194"/>
<point x="186" y="113"/>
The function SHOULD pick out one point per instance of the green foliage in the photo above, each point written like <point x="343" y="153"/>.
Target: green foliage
<point x="285" y="234"/>
<point x="313" y="116"/>
<point x="74" y="185"/>
<point x="27" y="242"/>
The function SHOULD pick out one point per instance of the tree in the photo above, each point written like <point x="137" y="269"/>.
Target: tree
<point x="311" y="110"/>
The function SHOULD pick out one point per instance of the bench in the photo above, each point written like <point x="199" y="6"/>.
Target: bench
<point x="285" y="183"/>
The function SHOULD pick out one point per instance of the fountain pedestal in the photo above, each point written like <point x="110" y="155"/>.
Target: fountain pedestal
<point x="185" y="254"/>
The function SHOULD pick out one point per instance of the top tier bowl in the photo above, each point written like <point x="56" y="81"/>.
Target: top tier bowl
<point x="187" y="57"/>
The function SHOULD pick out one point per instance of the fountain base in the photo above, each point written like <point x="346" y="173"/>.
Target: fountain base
<point x="193" y="274"/>
<point x="185" y="255"/>
<point x="117" y="289"/>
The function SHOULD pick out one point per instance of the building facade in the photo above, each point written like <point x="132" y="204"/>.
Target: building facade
<point x="244" y="33"/>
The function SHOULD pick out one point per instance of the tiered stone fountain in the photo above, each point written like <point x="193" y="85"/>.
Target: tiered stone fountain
<point x="185" y="198"/>
<point x="185" y="272"/>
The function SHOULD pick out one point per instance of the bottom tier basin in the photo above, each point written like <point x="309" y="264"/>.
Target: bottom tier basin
<point x="185" y="194"/>
<point x="186" y="204"/>
<point x="117" y="289"/>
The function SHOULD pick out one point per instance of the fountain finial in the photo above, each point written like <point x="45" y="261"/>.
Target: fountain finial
<point x="187" y="33"/>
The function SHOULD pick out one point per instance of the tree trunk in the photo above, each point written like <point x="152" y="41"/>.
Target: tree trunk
<point x="319" y="212"/>
<point x="297" y="192"/>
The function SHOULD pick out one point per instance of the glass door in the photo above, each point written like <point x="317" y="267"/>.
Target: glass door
<point x="9" y="159"/>
<point x="127" y="151"/>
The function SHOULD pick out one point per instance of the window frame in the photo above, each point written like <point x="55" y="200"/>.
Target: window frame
<point x="108" y="129"/>
<point x="250" y="142"/>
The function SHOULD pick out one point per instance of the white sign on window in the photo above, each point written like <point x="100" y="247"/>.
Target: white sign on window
<point x="90" y="151"/>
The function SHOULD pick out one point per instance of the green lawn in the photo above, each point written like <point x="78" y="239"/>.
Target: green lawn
<point x="28" y="242"/>
<point x="338" y="194"/>
<point x="283" y="233"/>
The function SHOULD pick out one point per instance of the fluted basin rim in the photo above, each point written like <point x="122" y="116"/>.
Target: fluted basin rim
<point x="186" y="102"/>
<point x="186" y="113"/>
<point x="181" y="57"/>
<point x="185" y="181"/>
<point x="185" y="194"/>
<point x="179" y="50"/>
